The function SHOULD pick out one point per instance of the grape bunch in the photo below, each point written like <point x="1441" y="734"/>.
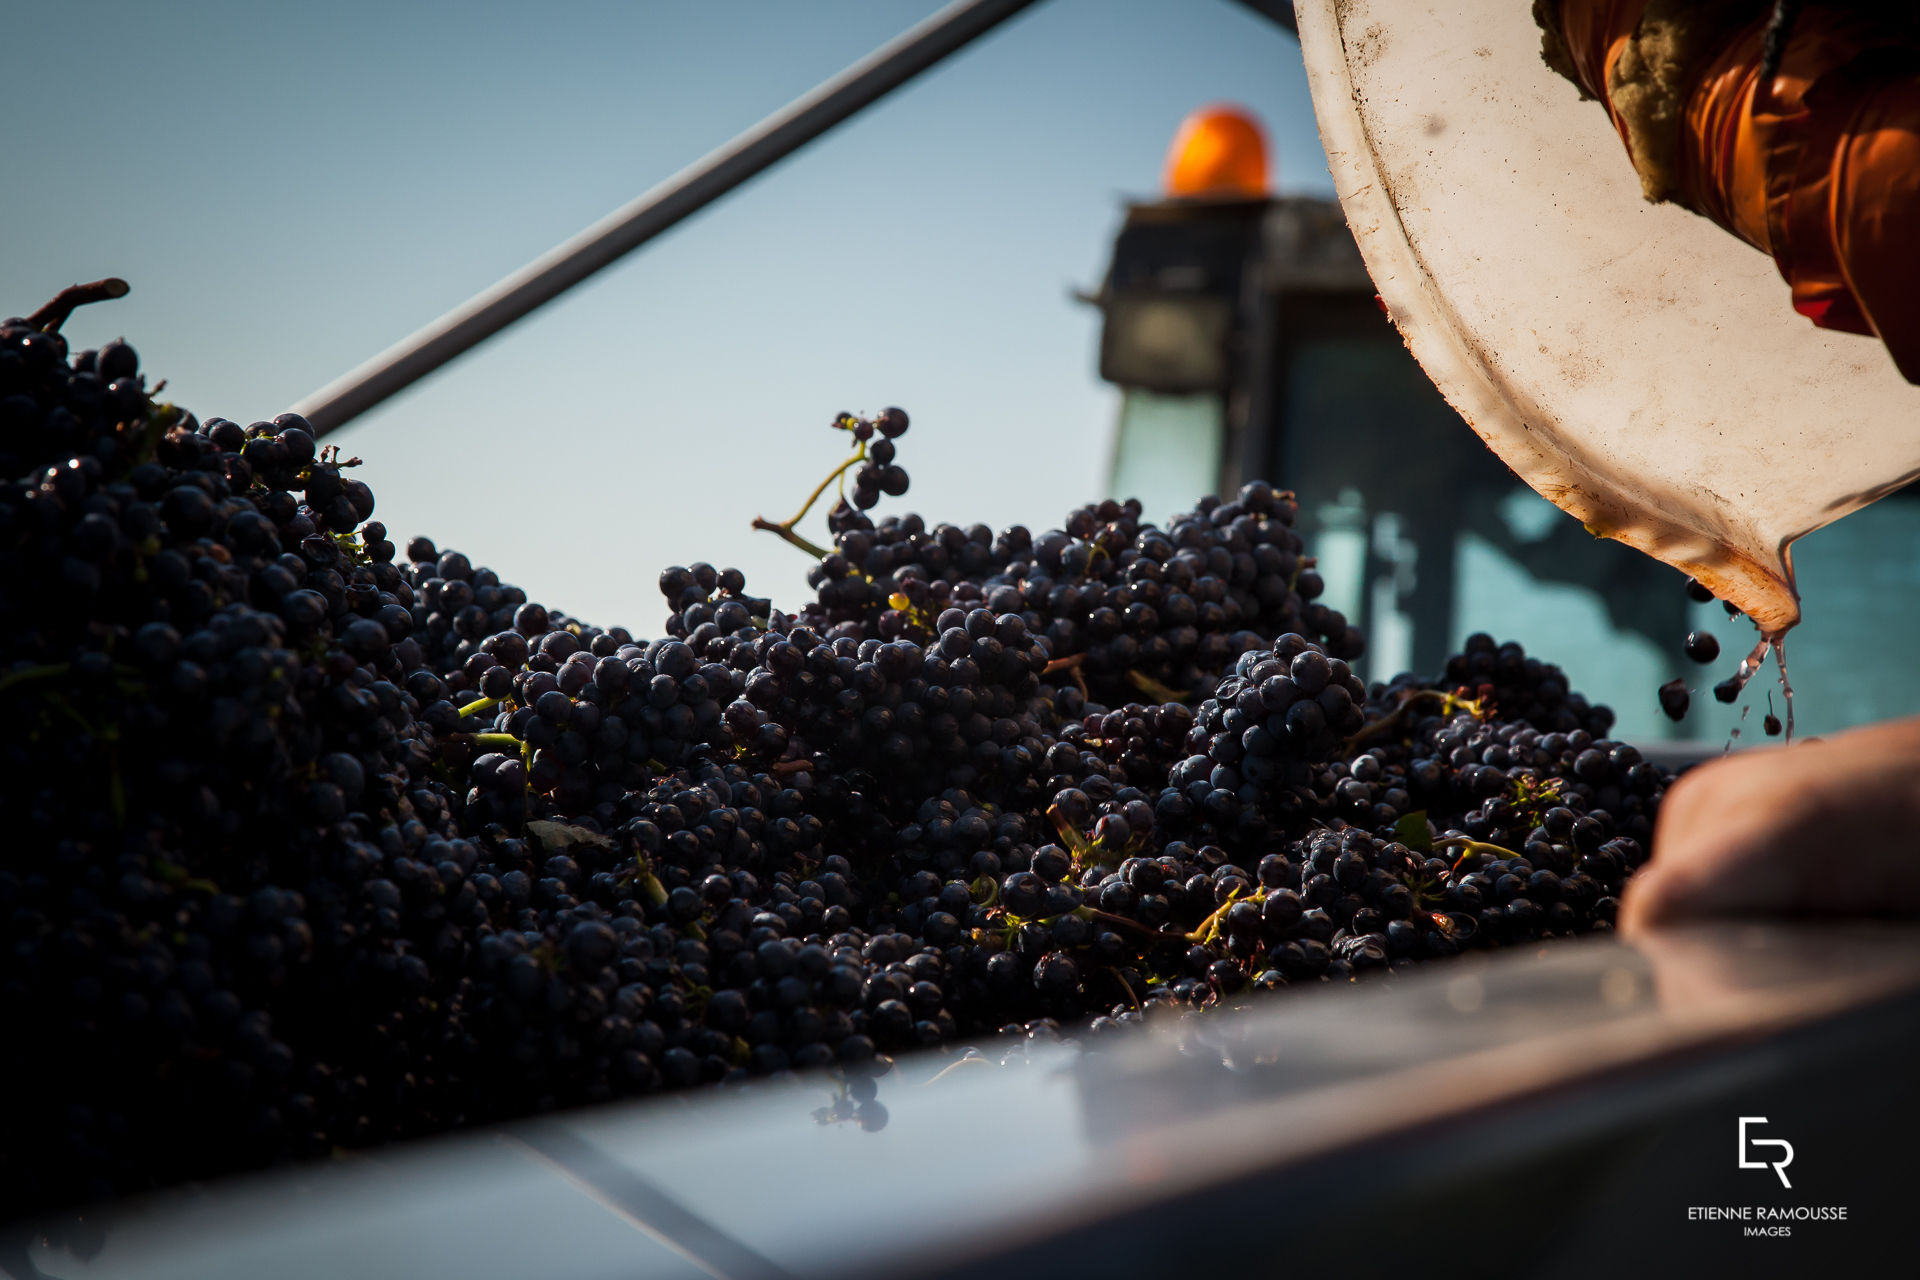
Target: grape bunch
<point x="319" y="844"/>
<point x="1133" y="609"/>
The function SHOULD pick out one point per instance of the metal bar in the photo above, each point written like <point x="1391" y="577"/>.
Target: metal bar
<point x="643" y="1203"/>
<point x="1280" y="11"/>
<point x="629" y="227"/>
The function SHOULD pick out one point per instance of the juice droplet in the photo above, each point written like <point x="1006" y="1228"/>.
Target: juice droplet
<point x="1752" y="662"/>
<point x="1786" y="685"/>
<point x="1730" y="689"/>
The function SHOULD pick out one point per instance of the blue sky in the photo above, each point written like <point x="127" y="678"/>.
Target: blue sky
<point x="291" y="188"/>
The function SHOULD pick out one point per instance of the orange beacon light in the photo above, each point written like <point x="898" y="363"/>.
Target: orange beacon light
<point x="1220" y="150"/>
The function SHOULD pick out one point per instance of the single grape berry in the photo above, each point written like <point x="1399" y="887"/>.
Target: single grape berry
<point x="1674" y="698"/>
<point x="1701" y="646"/>
<point x="1771" y="724"/>
<point x="1697" y="592"/>
<point x="1728" y="690"/>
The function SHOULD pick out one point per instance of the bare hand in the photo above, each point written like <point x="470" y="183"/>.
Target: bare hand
<point x="1827" y="828"/>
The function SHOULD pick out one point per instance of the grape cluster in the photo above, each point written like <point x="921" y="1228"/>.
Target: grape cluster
<point x="216" y="753"/>
<point x="1133" y="608"/>
<point x="319" y="845"/>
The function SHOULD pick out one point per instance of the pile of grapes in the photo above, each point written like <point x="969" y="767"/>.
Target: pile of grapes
<point x="314" y="844"/>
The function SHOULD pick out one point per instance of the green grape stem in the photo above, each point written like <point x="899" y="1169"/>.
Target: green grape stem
<point x="1446" y="703"/>
<point x="1077" y="844"/>
<point x="650" y="884"/>
<point x="1209" y="929"/>
<point x="46" y="671"/>
<point x="1154" y="689"/>
<point x="1470" y="848"/>
<point x="784" y="529"/>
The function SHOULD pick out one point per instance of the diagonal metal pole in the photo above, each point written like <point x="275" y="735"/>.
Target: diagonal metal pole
<point x="629" y="227"/>
<point x="1281" y="11"/>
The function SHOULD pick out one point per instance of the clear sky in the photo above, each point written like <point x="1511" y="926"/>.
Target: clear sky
<point x="291" y="188"/>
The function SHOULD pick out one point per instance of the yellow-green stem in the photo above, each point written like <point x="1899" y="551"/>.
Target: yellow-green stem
<point x="1470" y="848"/>
<point x="785" y="528"/>
<point x="25" y="675"/>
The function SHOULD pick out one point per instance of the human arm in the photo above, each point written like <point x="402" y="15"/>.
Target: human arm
<point x="1823" y="828"/>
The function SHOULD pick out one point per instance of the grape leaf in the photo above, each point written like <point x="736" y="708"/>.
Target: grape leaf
<point x="1412" y="832"/>
<point x="559" y="835"/>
